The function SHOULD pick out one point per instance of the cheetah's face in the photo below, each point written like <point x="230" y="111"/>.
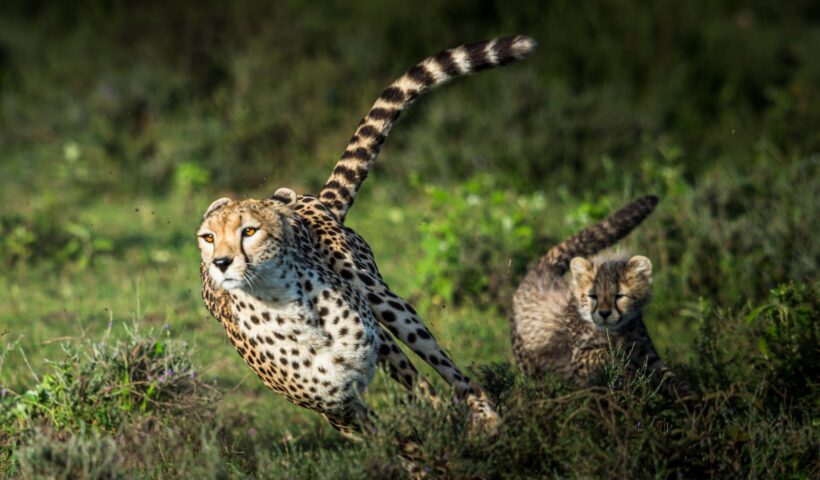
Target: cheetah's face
<point x="242" y="241"/>
<point x="613" y="293"/>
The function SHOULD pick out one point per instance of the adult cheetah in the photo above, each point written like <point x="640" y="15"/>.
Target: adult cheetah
<point x="300" y="295"/>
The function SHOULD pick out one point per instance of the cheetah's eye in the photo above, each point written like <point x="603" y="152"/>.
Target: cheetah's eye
<point x="593" y="297"/>
<point x="248" y="232"/>
<point x="620" y="296"/>
<point x="208" y="237"/>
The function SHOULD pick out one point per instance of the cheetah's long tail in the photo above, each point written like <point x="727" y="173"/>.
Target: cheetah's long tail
<point x="592" y="240"/>
<point x="351" y="170"/>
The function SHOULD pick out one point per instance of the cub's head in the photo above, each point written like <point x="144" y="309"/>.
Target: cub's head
<point x="612" y="293"/>
<point x="241" y="241"/>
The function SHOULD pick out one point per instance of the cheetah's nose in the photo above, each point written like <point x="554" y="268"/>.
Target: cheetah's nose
<point x="223" y="263"/>
<point x="602" y="313"/>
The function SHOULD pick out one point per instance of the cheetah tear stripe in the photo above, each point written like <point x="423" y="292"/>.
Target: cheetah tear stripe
<point x="340" y="189"/>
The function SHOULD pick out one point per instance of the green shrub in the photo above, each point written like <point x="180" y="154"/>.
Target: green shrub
<point x="477" y="236"/>
<point x="788" y="337"/>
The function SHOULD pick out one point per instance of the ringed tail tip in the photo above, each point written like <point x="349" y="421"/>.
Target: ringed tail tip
<point x="523" y="45"/>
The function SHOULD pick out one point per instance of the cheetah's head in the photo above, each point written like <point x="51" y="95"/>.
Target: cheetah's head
<point x="612" y="293"/>
<point x="242" y="241"/>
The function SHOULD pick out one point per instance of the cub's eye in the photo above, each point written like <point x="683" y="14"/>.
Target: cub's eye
<point x="248" y="232"/>
<point x="620" y="296"/>
<point x="208" y="237"/>
<point x="592" y="297"/>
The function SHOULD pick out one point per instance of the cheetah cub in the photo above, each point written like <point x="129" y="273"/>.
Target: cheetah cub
<point x="571" y="326"/>
<point x="299" y="293"/>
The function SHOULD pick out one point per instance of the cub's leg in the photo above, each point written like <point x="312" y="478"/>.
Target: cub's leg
<point x="587" y="361"/>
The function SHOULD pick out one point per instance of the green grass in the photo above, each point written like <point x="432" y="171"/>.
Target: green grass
<point x="119" y="125"/>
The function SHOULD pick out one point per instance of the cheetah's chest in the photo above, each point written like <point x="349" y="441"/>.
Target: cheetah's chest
<point x="306" y="350"/>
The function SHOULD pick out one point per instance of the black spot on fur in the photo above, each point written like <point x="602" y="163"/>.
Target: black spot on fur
<point x="348" y="173"/>
<point x="360" y="153"/>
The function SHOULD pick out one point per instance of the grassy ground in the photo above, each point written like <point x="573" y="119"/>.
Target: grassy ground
<point x="119" y="125"/>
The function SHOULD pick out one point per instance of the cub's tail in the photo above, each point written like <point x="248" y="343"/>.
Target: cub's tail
<point x="591" y="240"/>
<point x="354" y="165"/>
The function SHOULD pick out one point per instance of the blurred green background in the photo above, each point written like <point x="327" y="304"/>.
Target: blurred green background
<point x="120" y="122"/>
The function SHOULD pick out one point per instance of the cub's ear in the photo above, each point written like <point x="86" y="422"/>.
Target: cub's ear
<point x="639" y="266"/>
<point x="216" y="206"/>
<point x="580" y="267"/>
<point x="284" y="195"/>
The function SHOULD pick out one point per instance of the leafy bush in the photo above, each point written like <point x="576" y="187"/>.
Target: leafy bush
<point x="475" y="237"/>
<point x="788" y="336"/>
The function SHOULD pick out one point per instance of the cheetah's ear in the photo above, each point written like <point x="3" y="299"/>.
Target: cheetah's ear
<point x="639" y="266"/>
<point x="284" y="195"/>
<point x="216" y="206"/>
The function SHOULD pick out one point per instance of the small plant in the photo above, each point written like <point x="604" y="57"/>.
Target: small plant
<point x="788" y="338"/>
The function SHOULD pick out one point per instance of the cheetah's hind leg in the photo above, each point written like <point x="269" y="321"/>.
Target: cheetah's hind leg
<point x="402" y="370"/>
<point x="403" y="322"/>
